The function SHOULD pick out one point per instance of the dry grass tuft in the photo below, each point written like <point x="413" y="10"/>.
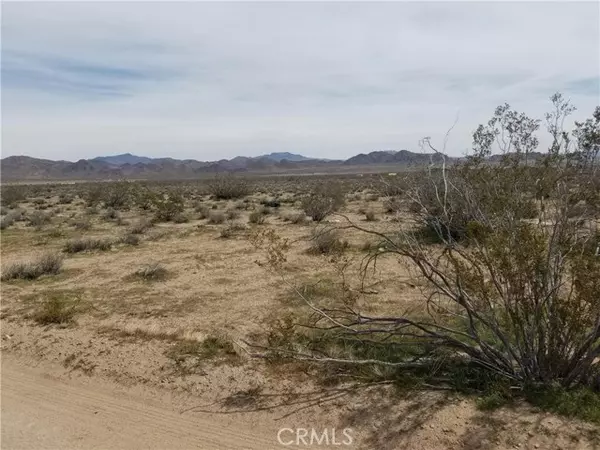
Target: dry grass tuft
<point x="86" y="244"/>
<point x="48" y="264"/>
<point x="154" y="271"/>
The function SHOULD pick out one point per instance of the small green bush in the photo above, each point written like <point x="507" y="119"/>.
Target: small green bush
<point x="226" y="187"/>
<point x="168" y="207"/>
<point x="57" y="309"/>
<point x="12" y="195"/>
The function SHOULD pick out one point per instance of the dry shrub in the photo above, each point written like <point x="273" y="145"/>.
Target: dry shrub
<point x="325" y="199"/>
<point x="226" y="187"/>
<point x="87" y="244"/>
<point x="154" y="271"/>
<point x="111" y="214"/>
<point x="65" y="199"/>
<point x="12" y="195"/>
<point x="508" y="298"/>
<point x="231" y="230"/>
<point x="370" y="216"/>
<point x="141" y="226"/>
<point x="168" y="207"/>
<point x="6" y="222"/>
<point x="116" y="195"/>
<point x="232" y="214"/>
<point x="203" y="211"/>
<point x="47" y="264"/>
<point x="130" y="239"/>
<point x="216" y="217"/>
<point x="38" y="219"/>
<point x="392" y="205"/>
<point x="56" y="309"/>
<point x="83" y="224"/>
<point x="258" y="216"/>
<point x="180" y="218"/>
<point x="328" y="241"/>
<point x="298" y="218"/>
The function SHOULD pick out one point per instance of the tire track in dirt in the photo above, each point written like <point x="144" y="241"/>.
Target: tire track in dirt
<point x="44" y="413"/>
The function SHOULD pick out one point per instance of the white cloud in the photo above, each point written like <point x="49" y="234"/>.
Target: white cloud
<point x="214" y="80"/>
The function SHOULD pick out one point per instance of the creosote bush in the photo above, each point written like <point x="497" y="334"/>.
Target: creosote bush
<point x="169" y="207"/>
<point x="325" y="199"/>
<point x="511" y="290"/>
<point x="226" y="187"/>
<point x="116" y="195"/>
<point x="11" y="196"/>
<point x="38" y="219"/>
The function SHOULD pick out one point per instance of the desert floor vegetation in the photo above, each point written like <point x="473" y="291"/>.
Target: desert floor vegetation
<point x="465" y="294"/>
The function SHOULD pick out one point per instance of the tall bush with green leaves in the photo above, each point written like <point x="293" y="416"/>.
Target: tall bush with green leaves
<point x="515" y="293"/>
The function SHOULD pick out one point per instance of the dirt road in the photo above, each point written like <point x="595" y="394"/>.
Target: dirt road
<point x="40" y="412"/>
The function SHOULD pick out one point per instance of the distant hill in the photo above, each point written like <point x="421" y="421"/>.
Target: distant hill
<point x="285" y="155"/>
<point x="125" y="158"/>
<point x="403" y="157"/>
<point x="140" y="167"/>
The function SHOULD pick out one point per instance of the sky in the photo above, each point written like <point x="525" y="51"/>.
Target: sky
<point x="216" y="80"/>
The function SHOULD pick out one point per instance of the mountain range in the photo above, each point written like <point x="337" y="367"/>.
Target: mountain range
<point x="25" y="168"/>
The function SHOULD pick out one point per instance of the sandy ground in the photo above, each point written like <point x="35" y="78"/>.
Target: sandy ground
<point x="106" y="381"/>
<point x="41" y="412"/>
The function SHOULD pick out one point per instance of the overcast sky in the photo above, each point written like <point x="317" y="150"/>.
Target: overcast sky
<point x="215" y="80"/>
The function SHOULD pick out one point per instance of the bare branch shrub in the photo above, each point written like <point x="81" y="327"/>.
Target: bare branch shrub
<point x="512" y="292"/>
<point x="325" y="199"/>
<point x="327" y="241"/>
